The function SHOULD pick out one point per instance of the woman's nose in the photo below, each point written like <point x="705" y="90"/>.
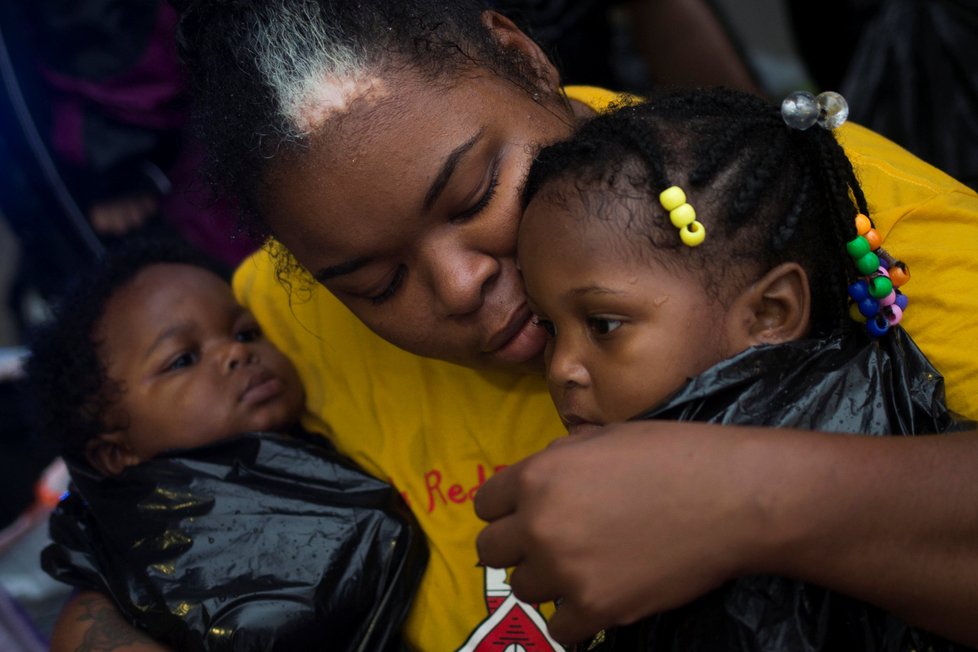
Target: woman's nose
<point x="460" y="277"/>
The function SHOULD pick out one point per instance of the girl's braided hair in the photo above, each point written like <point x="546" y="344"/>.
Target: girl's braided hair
<point x="254" y="63"/>
<point x="766" y="193"/>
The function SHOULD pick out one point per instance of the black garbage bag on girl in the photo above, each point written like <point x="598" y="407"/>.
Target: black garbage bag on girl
<point x="846" y="384"/>
<point x="263" y="542"/>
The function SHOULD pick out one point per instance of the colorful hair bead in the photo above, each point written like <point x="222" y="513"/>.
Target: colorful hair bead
<point x="876" y="301"/>
<point x="693" y="234"/>
<point x="893" y="314"/>
<point x="874" y="239"/>
<point x="899" y="274"/>
<point x="878" y="326"/>
<point x="880" y="286"/>
<point x="868" y="264"/>
<point x="683" y="216"/>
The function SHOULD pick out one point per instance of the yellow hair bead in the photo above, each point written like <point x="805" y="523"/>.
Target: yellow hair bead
<point x="692" y="234"/>
<point x="862" y="224"/>
<point x="672" y="197"/>
<point x="855" y="315"/>
<point x="682" y="215"/>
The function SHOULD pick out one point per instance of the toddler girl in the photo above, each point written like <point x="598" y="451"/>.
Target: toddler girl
<point x="697" y="258"/>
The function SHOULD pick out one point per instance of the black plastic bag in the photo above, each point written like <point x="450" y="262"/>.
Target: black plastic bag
<point x="264" y="542"/>
<point x="846" y="385"/>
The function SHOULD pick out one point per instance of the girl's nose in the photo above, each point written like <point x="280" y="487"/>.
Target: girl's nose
<point x="564" y="366"/>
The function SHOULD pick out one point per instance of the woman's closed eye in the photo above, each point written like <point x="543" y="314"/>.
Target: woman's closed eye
<point x="484" y="199"/>
<point x="391" y="288"/>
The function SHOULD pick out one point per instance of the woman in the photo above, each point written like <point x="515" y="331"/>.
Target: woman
<point x="385" y="147"/>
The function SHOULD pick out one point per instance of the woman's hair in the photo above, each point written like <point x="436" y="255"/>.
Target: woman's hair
<point x="766" y="193"/>
<point x="255" y="64"/>
<point x="68" y="382"/>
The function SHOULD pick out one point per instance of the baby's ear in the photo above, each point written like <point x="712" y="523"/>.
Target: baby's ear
<point x="110" y="453"/>
<point x="775" y="308"/>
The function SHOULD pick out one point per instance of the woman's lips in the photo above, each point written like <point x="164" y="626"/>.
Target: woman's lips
<point x="526" y="342"/>
<point x="261" y="390"/>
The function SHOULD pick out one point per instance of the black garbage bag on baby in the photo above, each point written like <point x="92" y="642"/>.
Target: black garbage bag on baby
<point x="845" y="385"/>
<point x="263" y="542"/>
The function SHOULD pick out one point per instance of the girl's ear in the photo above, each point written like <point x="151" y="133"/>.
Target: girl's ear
<point x="774" y="309"/>
<point x="110" y="453"/>
<point x="509" y="36"/>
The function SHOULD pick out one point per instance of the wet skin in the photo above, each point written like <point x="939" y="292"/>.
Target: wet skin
<point x="625" y="331"/>
<point x="193" y="364"/>
<point x="407" y="210"/>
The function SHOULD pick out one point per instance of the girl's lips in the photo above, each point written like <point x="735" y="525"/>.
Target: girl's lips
<point x="577" y="426"/>
<point x="527" y="343"/>
<point x="262" y="390"/>
<point x="582" y="428"/>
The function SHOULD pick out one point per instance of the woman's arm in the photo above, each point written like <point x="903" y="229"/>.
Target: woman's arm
<point x="645" y="516"/>
<point x="90" y="622"/>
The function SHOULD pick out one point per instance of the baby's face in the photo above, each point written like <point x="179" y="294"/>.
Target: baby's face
<point x="625" y="331"/>
<point x="193" y="364"/>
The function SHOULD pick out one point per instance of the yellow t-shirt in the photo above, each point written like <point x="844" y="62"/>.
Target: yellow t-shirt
<point x="438" y="430"/>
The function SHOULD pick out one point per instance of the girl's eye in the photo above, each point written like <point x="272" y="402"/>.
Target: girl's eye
<point x="546" y="325"/>
<point x="484" y="200"/>
<point x="248" y="334"/>
<point x="391" y="288"/>
<point x="182" y="361"/>
<point x="603" y="325"/>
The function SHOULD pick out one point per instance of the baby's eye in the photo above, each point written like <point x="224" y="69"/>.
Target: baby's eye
<point x="248" y="334"/>
<point x="603" y="325"/>
<point x="182" y="361"/>
<point x="546" y="325"/>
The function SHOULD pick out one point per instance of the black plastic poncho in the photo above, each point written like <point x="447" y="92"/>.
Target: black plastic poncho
<point x="845" y="385"/>
<point x="264" y="542"/>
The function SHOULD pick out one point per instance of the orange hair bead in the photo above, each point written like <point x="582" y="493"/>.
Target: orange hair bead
<point x="874" y="239"/>
<point x="863" y="224"/>
<point x="899" y="274"/>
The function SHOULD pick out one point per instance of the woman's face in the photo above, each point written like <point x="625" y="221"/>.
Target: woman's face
<point x="407" y="206"/>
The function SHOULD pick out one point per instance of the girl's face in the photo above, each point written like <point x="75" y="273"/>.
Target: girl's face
<point x="624" y="332"/>
<point x="406" y="208"/>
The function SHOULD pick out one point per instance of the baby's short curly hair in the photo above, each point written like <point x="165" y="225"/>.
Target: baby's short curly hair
<point x="67" y="379"/>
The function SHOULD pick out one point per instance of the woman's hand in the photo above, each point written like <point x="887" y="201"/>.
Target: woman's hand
<point x="91" y="622"/>
<point x="645" y="516"/>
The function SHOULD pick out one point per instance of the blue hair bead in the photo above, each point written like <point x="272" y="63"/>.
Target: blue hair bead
<point x="901" y="300"/>
<point x="868" y="307"/>
<point x="859" y="290"/>
<point x="877" y="327"/>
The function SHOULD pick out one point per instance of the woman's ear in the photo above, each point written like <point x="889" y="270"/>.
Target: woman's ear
<point x="774" y="309"/>
<point x="110" y="453"/>
<point x="509" y="35"/>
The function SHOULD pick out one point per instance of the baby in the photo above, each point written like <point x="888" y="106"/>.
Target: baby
<point x="197" y="503"/>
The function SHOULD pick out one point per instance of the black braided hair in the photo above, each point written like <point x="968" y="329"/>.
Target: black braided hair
<point x="67" y="381"/>
<point x="248" y="59"/>
<point x="766" y="193"/>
